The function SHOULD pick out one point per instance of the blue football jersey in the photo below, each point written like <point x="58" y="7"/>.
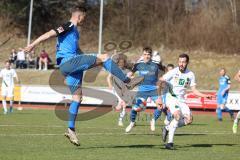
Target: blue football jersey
<point x="67" y="40"/>
<point x="150" y="71"/>
<point x="224" y="81"/>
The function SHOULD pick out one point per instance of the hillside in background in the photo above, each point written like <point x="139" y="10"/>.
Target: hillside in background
<point x="209" y="30"/>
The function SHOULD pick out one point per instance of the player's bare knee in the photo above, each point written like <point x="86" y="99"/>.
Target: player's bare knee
<point x="77" y="98"/>
<point x="77" y="95"/>
<point x="177" y="115"/>
<point x="188" y="120"/>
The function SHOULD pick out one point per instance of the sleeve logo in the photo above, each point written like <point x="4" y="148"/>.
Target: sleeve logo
<point x="60" y="29"/>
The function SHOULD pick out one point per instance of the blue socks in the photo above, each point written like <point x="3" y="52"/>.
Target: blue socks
<point x="73" y="111"/>
<point x="113" y="68"/>
<point x="133" y="115"/>
<point x="219" y="112"/>
<point x="157" y="114"/>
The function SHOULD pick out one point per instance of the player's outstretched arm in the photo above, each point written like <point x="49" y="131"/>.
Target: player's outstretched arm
<point x="226" y="89"/>
<point x="40" y="39"/>
<point x="16" y="77"/>
<point x="198" y="93"/>
<point x="109" y="81"/>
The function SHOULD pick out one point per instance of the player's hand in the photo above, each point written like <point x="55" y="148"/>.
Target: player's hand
<point x="210" y="96"/>
<point x="29" y="48"/>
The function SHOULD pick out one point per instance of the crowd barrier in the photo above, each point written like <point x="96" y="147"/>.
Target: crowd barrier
<point x="45" y="94"/>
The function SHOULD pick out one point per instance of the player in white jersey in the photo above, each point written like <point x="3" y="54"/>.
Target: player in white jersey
<point x="179" y="79"/>
<point x="114" y="82"/>
<point x="237" y="118"/>
<point x="8" y="74"/>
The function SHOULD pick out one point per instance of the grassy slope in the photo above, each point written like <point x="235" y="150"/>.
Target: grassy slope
<point x="102" y="139"/>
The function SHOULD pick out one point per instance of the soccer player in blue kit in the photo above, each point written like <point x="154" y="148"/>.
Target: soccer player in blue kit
<point x="72" y="63"/>
<point x="147" y="88"/>
<point x="222" y="94"/>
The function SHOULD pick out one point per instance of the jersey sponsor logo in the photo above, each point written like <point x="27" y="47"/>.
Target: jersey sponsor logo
<point x="181" y="82"/>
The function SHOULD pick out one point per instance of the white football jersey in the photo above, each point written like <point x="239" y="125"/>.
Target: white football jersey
<point x="8" y="77"/>
<point x="180" y="81"/>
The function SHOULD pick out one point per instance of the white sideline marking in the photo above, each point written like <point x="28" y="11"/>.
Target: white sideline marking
<point x="30" y="126"/>
<point x="121" y="133"/>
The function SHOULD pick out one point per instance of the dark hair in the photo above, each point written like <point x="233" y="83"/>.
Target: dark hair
<point x="79" y="9"/>
<point x="7" y="61"/>
<point x="184" y="55"/>
<point x="148" y="50"/>
<point x="223" y="69"/>
<point x="119" y="57"/>
<point x="170" y="65"/>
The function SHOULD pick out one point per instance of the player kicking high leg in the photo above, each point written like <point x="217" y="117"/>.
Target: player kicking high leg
<point x="8" y="74"/>
<point x="237" y="118"/>
<point x="72" y="63"/>
<point x="179" y="79"/>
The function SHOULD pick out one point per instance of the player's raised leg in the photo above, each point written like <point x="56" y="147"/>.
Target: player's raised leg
<point x="113" y="68"/>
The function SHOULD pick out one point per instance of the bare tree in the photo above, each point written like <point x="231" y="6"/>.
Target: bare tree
<point x="234" y="11"/>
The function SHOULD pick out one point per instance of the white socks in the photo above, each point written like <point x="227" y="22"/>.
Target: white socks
<point x="122" y="114"/>
<point x="172" y="128"/>
<point x="4" y="103"/>
<point x="11" y="103"/>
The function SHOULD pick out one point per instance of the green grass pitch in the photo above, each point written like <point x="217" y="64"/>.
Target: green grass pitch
<point x="38" y="135"/>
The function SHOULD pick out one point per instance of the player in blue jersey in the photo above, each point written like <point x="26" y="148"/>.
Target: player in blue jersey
<point x="72" y="63"/>
<point x="222" y="94"/>
<point x="147" y="88"/>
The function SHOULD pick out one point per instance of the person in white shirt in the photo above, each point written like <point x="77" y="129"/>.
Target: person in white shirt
<point x="7" y="75"/>
<point x="178" y="80"/>
<point x="21" y="58"/>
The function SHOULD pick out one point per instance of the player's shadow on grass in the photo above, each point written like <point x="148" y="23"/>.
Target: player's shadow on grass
<point x="127" y="146"/>
<point x="198" y="124"/>
<point x="206" y="145"/>
<point x="143" y="134"/>
<point x="190" y="134"/>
